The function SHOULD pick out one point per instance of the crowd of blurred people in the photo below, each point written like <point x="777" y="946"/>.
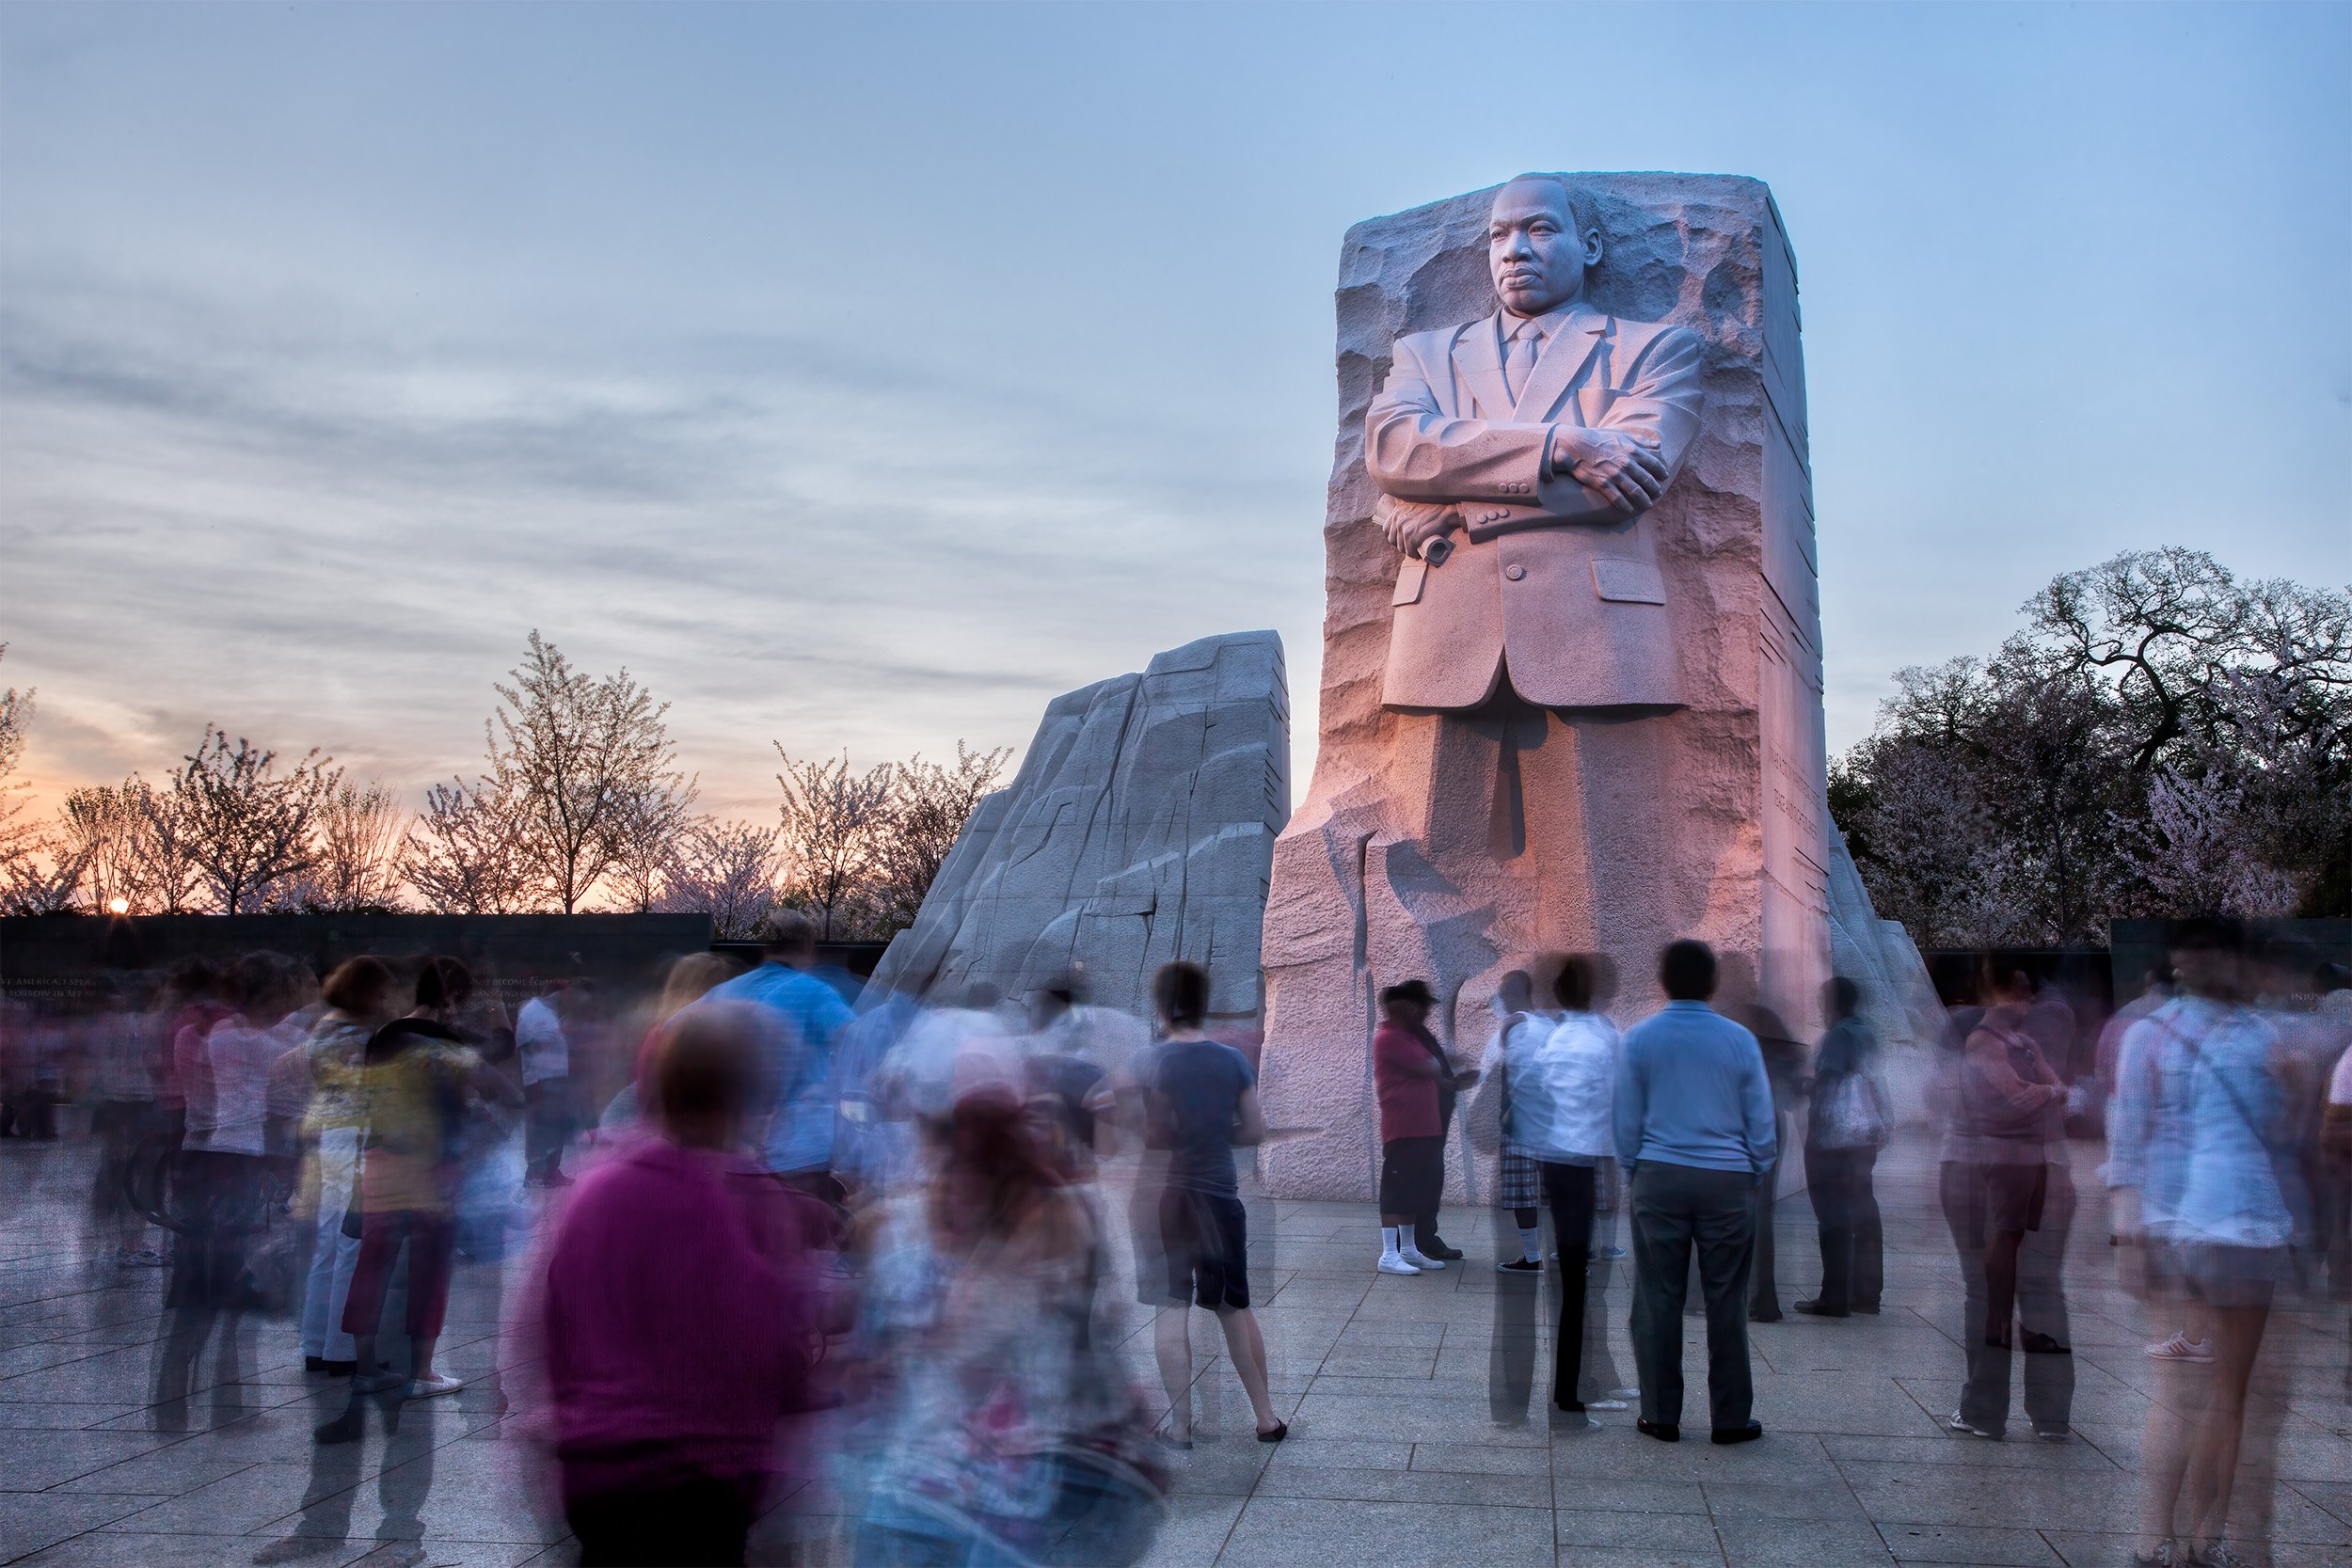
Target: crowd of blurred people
<point x="2224" y="1092"/>
<point x="747" y="1207"/>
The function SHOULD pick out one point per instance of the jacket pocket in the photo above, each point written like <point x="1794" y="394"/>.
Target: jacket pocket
<point x="1623" y="581"/>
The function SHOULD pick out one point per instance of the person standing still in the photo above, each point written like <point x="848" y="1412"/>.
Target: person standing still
<point x="1567" y="1084"/>
<point x="1408" y="1070"/>
<point x="547" y="1060"/>
<point x="1842" y="1138"/>
<point x="1694" y="1122"/>
<point x="1202" y="1101"/>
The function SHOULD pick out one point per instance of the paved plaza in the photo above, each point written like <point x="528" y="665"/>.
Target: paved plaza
<point x="1416" y="1435"/>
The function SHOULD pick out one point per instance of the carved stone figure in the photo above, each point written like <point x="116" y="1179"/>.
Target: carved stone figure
<point x="1542" y="434"/>
<point x="1583" y="712"/>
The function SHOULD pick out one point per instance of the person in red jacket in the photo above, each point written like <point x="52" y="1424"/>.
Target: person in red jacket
<point x="1410" y="1071"/>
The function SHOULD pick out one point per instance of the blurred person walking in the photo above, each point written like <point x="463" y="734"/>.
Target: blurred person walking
<point x="1848" y="1126"/>
<point x="677" y="1315"/>
<point x="1201" y="1103"/>
<point x="358" y="995"/>
<point x="546" y="1071"/>
<point x="417" y="1076"/>
<point x="221" y="1189"/>
<point x="1693" y="1116"/>
<point x="1518" y="1179"/>
<point x="1415" y="1083"/>
<point x="1010" y="1435"/>
<point x="128" y="1045"/>
<point x="637" y="1104"/>
<point x="1783" y="1065"/>
<point x="2201" y="1122"/>
<point x="805" y="1016"/>
<point x="2003" y="1165"/>
<point x="2335" y="1135"/>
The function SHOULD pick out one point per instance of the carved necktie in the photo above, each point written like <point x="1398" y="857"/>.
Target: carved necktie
<point x="1519" y="359"/>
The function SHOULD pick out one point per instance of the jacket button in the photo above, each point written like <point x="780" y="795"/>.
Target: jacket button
<point x="1515" y="571"/>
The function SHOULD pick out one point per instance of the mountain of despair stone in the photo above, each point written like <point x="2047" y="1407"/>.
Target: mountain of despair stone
<point x="1140" y="830"/>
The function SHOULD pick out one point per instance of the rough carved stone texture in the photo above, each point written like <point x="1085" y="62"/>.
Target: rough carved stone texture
<point x="1709" y="821"/>
<point x="1140" y="830"/>
<point x="1898" y="998"/>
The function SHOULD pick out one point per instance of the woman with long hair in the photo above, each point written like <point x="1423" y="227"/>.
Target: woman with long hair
<point x="1011" y="1436"/>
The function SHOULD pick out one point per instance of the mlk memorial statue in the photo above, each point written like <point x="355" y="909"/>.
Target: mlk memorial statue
<point x="1571" y="696"/>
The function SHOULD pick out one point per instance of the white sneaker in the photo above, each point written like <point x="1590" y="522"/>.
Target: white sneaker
<point x="2182" y="1347"/>
<point x="1394" y="1262"/>
<point x="1419" y="1261"/>
<point x="433" y="1387"/>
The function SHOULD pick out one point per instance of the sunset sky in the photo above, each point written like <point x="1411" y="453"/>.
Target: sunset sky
<point x="864" y="377"/>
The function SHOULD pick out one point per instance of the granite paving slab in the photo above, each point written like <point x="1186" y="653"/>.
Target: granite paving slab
<point x="1419" y="1429"/>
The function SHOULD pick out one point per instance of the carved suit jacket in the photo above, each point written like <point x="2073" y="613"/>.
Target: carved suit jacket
<point x="1546" y="574"/>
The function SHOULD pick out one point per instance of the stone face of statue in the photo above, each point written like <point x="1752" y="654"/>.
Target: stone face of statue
<point x="1534" y="252"/>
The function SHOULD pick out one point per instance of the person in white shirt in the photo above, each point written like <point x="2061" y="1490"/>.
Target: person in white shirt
<point x="1561" y="1107"/>
<point x="547" y="1062"/>
<point x="221" y="1183"/>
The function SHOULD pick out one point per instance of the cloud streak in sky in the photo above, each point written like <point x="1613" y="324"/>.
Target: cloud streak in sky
<point x="290" y="520"/>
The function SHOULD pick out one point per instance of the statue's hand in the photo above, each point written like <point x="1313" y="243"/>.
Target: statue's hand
<point x="1409" y="524"/>
<point x="1624" y="468"/>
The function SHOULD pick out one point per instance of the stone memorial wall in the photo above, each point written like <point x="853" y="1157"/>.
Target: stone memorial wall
<point x="1687" y="799"/>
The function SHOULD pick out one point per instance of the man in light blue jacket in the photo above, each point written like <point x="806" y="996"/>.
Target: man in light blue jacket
<point x="1694" y="1123"/>
<point x="805" y="1018"/>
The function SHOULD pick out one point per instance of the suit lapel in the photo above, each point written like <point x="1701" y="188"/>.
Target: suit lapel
<point x="1478" y="361"/>
<point x="1565" y="357"/>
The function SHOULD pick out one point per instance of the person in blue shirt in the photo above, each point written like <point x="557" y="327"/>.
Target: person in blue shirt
<point x="809" y="1016"/>
<point x="1695" y="1125"/>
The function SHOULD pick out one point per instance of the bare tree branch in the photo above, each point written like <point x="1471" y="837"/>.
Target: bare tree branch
<point x="833" y="820"/>
<point x="247" y="827"/>
<point x="574" y="755"/>
<point x="726" y="870"/>
<point x="465" y="855"/>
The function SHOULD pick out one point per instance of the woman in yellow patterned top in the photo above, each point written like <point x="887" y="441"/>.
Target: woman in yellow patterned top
<point x="358" y="996"/>
<point x="418" y="1078"/>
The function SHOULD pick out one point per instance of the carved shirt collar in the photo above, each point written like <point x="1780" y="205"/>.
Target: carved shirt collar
<point x="1548" y="326"/>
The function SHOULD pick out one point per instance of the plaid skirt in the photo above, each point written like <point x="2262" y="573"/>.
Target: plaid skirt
<point x="1522" y="1181"/>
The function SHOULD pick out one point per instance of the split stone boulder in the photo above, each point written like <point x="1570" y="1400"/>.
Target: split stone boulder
<point x="1140" y="830"/>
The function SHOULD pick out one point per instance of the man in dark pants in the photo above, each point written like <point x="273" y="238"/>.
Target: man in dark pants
<point x="1694" y="1121"/>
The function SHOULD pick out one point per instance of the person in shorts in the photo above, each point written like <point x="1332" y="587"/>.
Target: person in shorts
<point x="1200" y="1099"/>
